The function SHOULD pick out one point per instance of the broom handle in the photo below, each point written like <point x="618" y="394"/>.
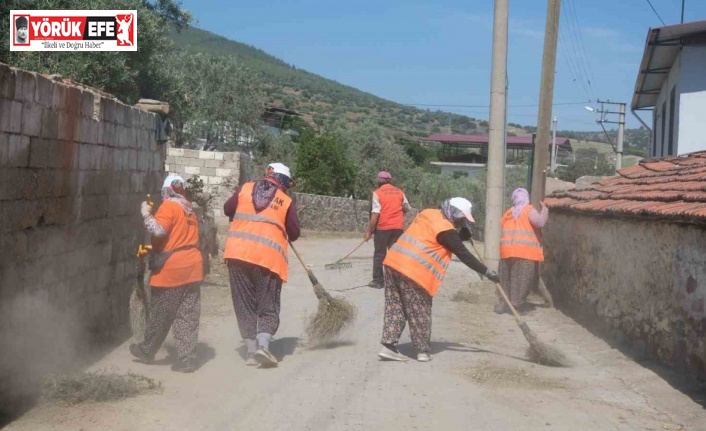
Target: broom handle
<point x="344" y="257"/>
<point x="500" y="290"/>
<point x="309" y="272"/>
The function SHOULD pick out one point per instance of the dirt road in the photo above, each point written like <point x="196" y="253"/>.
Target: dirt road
<point x="478" y="378"/>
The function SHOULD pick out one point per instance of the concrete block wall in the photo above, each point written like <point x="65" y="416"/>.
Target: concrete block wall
<point x="74" y="167"/>
<point x="220" y="172"/>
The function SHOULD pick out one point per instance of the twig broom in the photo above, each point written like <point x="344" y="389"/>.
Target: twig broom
<point x="537" y="351"/>
<point x="140" y="296"/>
<point x="332" y="316"/>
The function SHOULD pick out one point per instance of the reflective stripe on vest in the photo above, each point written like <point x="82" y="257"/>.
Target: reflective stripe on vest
<point x="261" y="240"/>
<point x="419" y="259"/>
<point x="421" y="246"/>
<point x="521" y="242"/>
<point x="255" y="217"/>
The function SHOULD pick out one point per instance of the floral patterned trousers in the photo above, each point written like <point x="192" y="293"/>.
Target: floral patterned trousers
<point x="406" y="301"/>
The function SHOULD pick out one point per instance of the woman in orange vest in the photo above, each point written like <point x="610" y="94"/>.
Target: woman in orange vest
<point x="263" y="221"/>
<point x="386" y="220"/>
<point x="414" y="268"/>
<point x="176" y="286"/>
<point x="520" y="249"/>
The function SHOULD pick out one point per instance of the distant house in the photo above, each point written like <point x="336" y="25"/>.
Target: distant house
<point x="468" y="154"/>
<point x="625" y="255"/>
<point x="672" y="83"/>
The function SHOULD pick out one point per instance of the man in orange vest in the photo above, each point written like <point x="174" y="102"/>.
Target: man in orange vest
<point x="414" y="269"/>
<point x="386" y="221"/>
<point x="263" y="222"/>
<point x="520" y="249"/>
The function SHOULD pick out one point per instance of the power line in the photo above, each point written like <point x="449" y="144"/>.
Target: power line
<point x="574" y="46"/>
<point x="655" y="11"/>
<point x="582" y="45"/>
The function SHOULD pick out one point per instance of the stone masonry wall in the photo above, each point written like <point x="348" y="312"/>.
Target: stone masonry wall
<point x="220" y="172"/>
<point x="74" y="167"/>
<point x="641" y="283"/>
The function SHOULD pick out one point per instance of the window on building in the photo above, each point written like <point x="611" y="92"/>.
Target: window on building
<point x="672" y="96"/>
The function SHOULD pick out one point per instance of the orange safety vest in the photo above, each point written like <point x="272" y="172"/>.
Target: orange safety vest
<point x="260" y="238"/>
<point x="418" y="255"/>
<point x="391" y="214"/>
<point x="519" y="238"/>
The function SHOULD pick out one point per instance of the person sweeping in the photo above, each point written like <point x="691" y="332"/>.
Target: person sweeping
<point x="520" y="249"/>
<point x="414" y="269"/>
<point x="177" y="272"/>
<point x="263" y="220"/>
<point x="389" y="205"/>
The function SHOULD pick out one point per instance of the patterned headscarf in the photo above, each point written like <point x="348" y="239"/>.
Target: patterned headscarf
<point x="265" y="189"/>
<point x="454" y="215"/>
<point x="520" y="198"/>
<point x="170" y="193"/>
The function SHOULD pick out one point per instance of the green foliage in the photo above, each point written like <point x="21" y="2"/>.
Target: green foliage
<point x="323" y="166"/>
<point x="580" y="168"/>
<point x="127" y="75"/>
<point x="195" y="192"/>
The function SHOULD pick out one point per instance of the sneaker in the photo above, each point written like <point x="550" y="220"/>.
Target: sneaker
<point x="265" y="358"/>
<point x="392" y="355"/>
<point x="423" y="357"/>
<point x="138" y="352"/>
<point x="184" y="366"/>
<point x="251" y="361"/>
<point x="375" y="284"/>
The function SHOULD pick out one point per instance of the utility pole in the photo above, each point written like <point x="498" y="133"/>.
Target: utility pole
<point x="546" y="96"/>
<point x="553" y="162"/>
<point x="496" y="135"/>
<point x="621" y="128"/>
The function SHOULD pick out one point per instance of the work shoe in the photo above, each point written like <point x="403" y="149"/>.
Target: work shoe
<point x="392" y="355"/>
<point x="250" y="360"/>
<point x="375" y="284"/>
<point x="423" y="357"/>
<point x="138" y="352"/>
<point x="184" y="366"/>
<point x="265" y="358"/>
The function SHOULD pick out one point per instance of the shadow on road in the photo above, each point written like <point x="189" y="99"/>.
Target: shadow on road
<point x="203" y="353"/>
<point x="447" y="346"/>
<point x="280" y="347"/>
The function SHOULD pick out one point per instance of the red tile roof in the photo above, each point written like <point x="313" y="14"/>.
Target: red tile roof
<point x="670" y="188"/>
<point x="446" y="138"/>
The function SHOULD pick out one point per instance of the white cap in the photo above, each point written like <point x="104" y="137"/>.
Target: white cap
<point x="170" y="179"/>
<point x="279" y="168"/>
<point x="464" y="205"/>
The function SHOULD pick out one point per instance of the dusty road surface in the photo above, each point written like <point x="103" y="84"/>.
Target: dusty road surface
<point x="478" y="378"/>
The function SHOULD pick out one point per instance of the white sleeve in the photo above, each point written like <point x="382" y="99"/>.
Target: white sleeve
<point x="376" y="204"/>
<point x="405" y="203"/>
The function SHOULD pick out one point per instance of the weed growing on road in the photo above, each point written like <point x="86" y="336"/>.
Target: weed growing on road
<point x="96" y="386"/>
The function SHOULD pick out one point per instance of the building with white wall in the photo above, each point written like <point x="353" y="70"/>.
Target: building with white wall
<point x="672" y="83"/>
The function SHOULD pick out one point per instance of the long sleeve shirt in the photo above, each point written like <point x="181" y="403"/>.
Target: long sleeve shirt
<point x="539" y="219"/>
<point x="291" y="221"/>
<point x="452" y="241"/>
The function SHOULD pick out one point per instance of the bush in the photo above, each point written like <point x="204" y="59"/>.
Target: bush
<point x="581" y="168"/>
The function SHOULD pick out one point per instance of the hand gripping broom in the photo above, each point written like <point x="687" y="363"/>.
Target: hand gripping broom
<point x="332" y="316"/>
<point x="537" y="351"/>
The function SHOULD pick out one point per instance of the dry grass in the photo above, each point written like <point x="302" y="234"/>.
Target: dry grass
<point x="332" y="317"/>
<point x="466" y="296"/>
<point x="96" y="386"/>
<point x="510" y="377"/>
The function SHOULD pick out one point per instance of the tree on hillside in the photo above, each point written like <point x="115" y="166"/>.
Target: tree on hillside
<point x="579" y="168"/>
<point x="323" y="166"/>
<point x="127" y="75"/>
<point x="219" y="99"/>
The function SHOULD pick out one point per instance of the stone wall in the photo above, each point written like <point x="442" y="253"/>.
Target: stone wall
<point x="333" y="214"/>
<point x="641" y="283"/>
<point x="220" y="172"/>
<point x="74" y="167"/>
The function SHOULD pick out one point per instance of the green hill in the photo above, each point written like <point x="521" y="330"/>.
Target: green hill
<point x="319" y="98"/>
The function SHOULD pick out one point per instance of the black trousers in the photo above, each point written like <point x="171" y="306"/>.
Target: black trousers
<point x="383" y="241"/>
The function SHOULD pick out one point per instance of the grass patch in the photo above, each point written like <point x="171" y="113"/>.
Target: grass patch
<point x="489" y="374"/>
<point x="96" y="386"/>
<point x="465" y="295"/>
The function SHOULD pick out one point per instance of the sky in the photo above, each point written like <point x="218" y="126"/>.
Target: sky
<point x="438" y="53"/>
